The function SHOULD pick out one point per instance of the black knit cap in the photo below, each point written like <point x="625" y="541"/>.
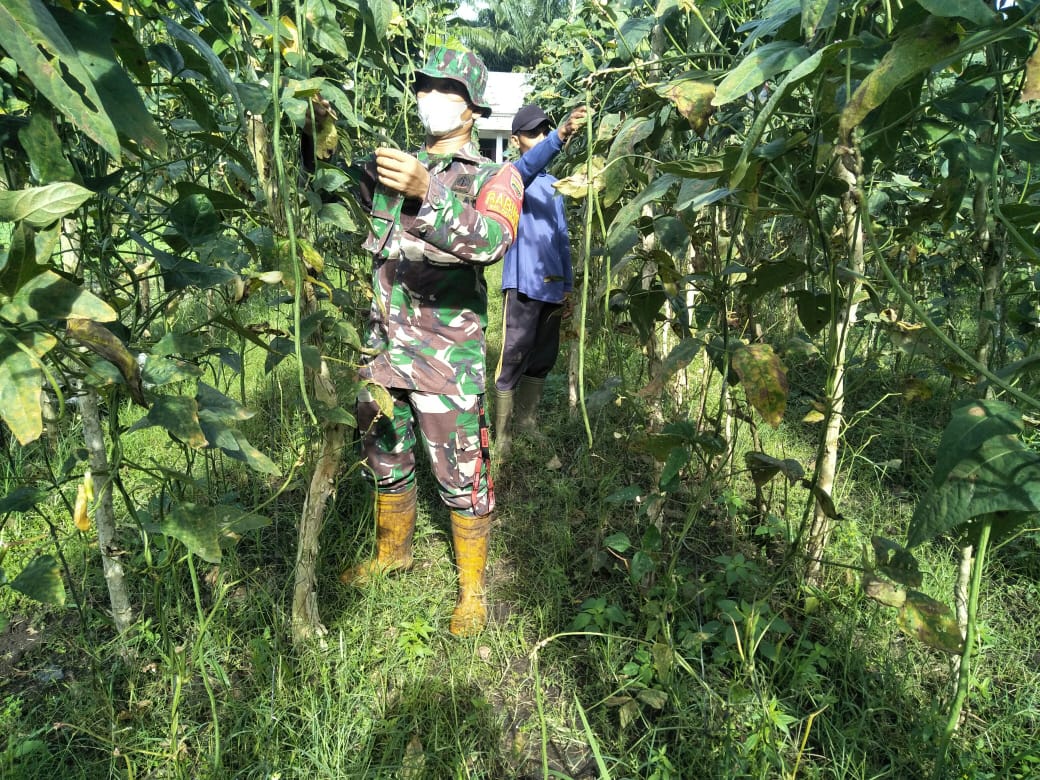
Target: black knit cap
<point x="528" y="118"/>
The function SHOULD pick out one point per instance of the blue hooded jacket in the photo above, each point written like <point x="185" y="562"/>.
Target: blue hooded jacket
<point x="538" y="263"/>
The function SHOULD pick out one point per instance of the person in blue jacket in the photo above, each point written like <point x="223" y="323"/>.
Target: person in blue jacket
<point x="536" y="276"/>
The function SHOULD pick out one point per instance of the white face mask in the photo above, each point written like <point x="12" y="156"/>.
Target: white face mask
<point x="440" y="114"/>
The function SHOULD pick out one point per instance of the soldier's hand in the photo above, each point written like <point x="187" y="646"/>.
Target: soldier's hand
<point x="402" y="172"/>
<point x="573" y="123"/>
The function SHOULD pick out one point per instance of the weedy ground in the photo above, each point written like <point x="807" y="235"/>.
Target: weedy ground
<point x="630" y="637"/>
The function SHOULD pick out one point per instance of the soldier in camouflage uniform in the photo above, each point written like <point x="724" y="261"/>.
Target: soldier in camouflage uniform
<point x="438" y="217"/>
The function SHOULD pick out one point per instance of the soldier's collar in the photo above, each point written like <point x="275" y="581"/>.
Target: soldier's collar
<point x="467" y="153"/>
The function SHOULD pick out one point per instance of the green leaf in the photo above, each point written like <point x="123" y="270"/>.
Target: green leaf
<point x="179" y="415"/>
<point x="92" y="35"/>
<point x="380" y="12"/>
<point x="896" y="562"/>
<point x="971" y="424"/>
<point x="22" y="499"/>
<point x="197" y="528"/>
<point x="965" y="9"/>
<point x="29" y="34"/>
<point x="338" y="215"/>
<point x="195" y="219"/>
<point x="626" y="494"/>
<point x="48" y="296"/>
<point x="817" y="15"/>
<point x="759" y="66"/>
<point x="1002" y="475"/>
<point x="234" y="444"/>
<point x="41" y="581"/>
<point x="41" y="142"/>
<point x="764" y="467"/>
<point x="618" y="542"/>
<point x="930" y="621"/>
<point x="764" y="379"/>
<point x="913" y="52"/>
<point x="814" y="310"/>
<point x="220" y="406"/>
<point x="40" y="206"/>
<point x="221" y="78"/>
<point x="21" y="383"/>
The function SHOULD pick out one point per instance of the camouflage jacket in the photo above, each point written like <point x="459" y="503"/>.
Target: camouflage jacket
<point x="429" y="308"/>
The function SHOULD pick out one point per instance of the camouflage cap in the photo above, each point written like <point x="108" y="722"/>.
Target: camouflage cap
<point x="465" y="67"/>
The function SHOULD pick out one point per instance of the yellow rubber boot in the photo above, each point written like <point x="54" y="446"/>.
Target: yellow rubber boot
<point x="470" y="535"/>
<point x="395" y="527"/>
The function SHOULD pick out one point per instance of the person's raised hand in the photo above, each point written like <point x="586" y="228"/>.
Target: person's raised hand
<point x="574" y="122"/>
<point x="402" y="172"/>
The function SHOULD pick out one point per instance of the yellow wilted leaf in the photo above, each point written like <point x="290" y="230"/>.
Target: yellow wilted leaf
<point x="79" y="514"/>
<point x="692" y="99"/>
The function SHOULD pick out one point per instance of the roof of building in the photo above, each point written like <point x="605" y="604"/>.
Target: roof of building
<point x="505" y="92"/>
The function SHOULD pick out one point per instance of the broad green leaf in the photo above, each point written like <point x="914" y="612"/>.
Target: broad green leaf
<point x="758" y="67"/>
<point x="764" y="467"/>
<point x="693" y="99"/>
<point x="380" y="12"/>
<point x="92" y="35"/>
<point x="896" y="562"/>
<point x="971" y="10"/>
<point x="48" y="296"/>
<point x="814" y="310"/>
<point x="101" y="341"/>
<point x="618" y="542"/>
<point x="221" y="78"/>
<point x="971" y="424"/>
<point x="633" y="32"/>
<point x="817" y="14"/>
<point x="1000" y="476"/>
<point x="41" y="581"/>
<point x="40" y="206"/>
<point x="212" y="401"/>
<point x="234" y="444"/>
<point x="628" y="213"/>
<point x="913" y="52"/>
<point x="339" y="215"/>
<point x="21" y="383"/>
<point x="764" y="379"/>
<point x="159" y="370"/>
<point x="41" y="142"/>
<point x="930" y="621"/>
<point x="195" y="219"/>
<point x="798" y="74"/>
<point x="327" y="29"/>
<point x="179" y="415"/>
<point x="22" y="499"/>
<point x="823" y="500"/>
<point x="623" y="496"/>
<point x="197" y="528"/>
<point x="769" y="276"/>
<point x="677" y="460"/>
<point x="29" y="34"/>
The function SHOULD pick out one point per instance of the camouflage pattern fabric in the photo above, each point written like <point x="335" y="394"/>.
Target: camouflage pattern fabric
<point x="451" y="429"/>
<point x="429" y="310"/>
<point x="465" y="67"/>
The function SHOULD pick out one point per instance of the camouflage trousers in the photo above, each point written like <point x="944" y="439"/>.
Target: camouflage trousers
<point x="452" y="428"/>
